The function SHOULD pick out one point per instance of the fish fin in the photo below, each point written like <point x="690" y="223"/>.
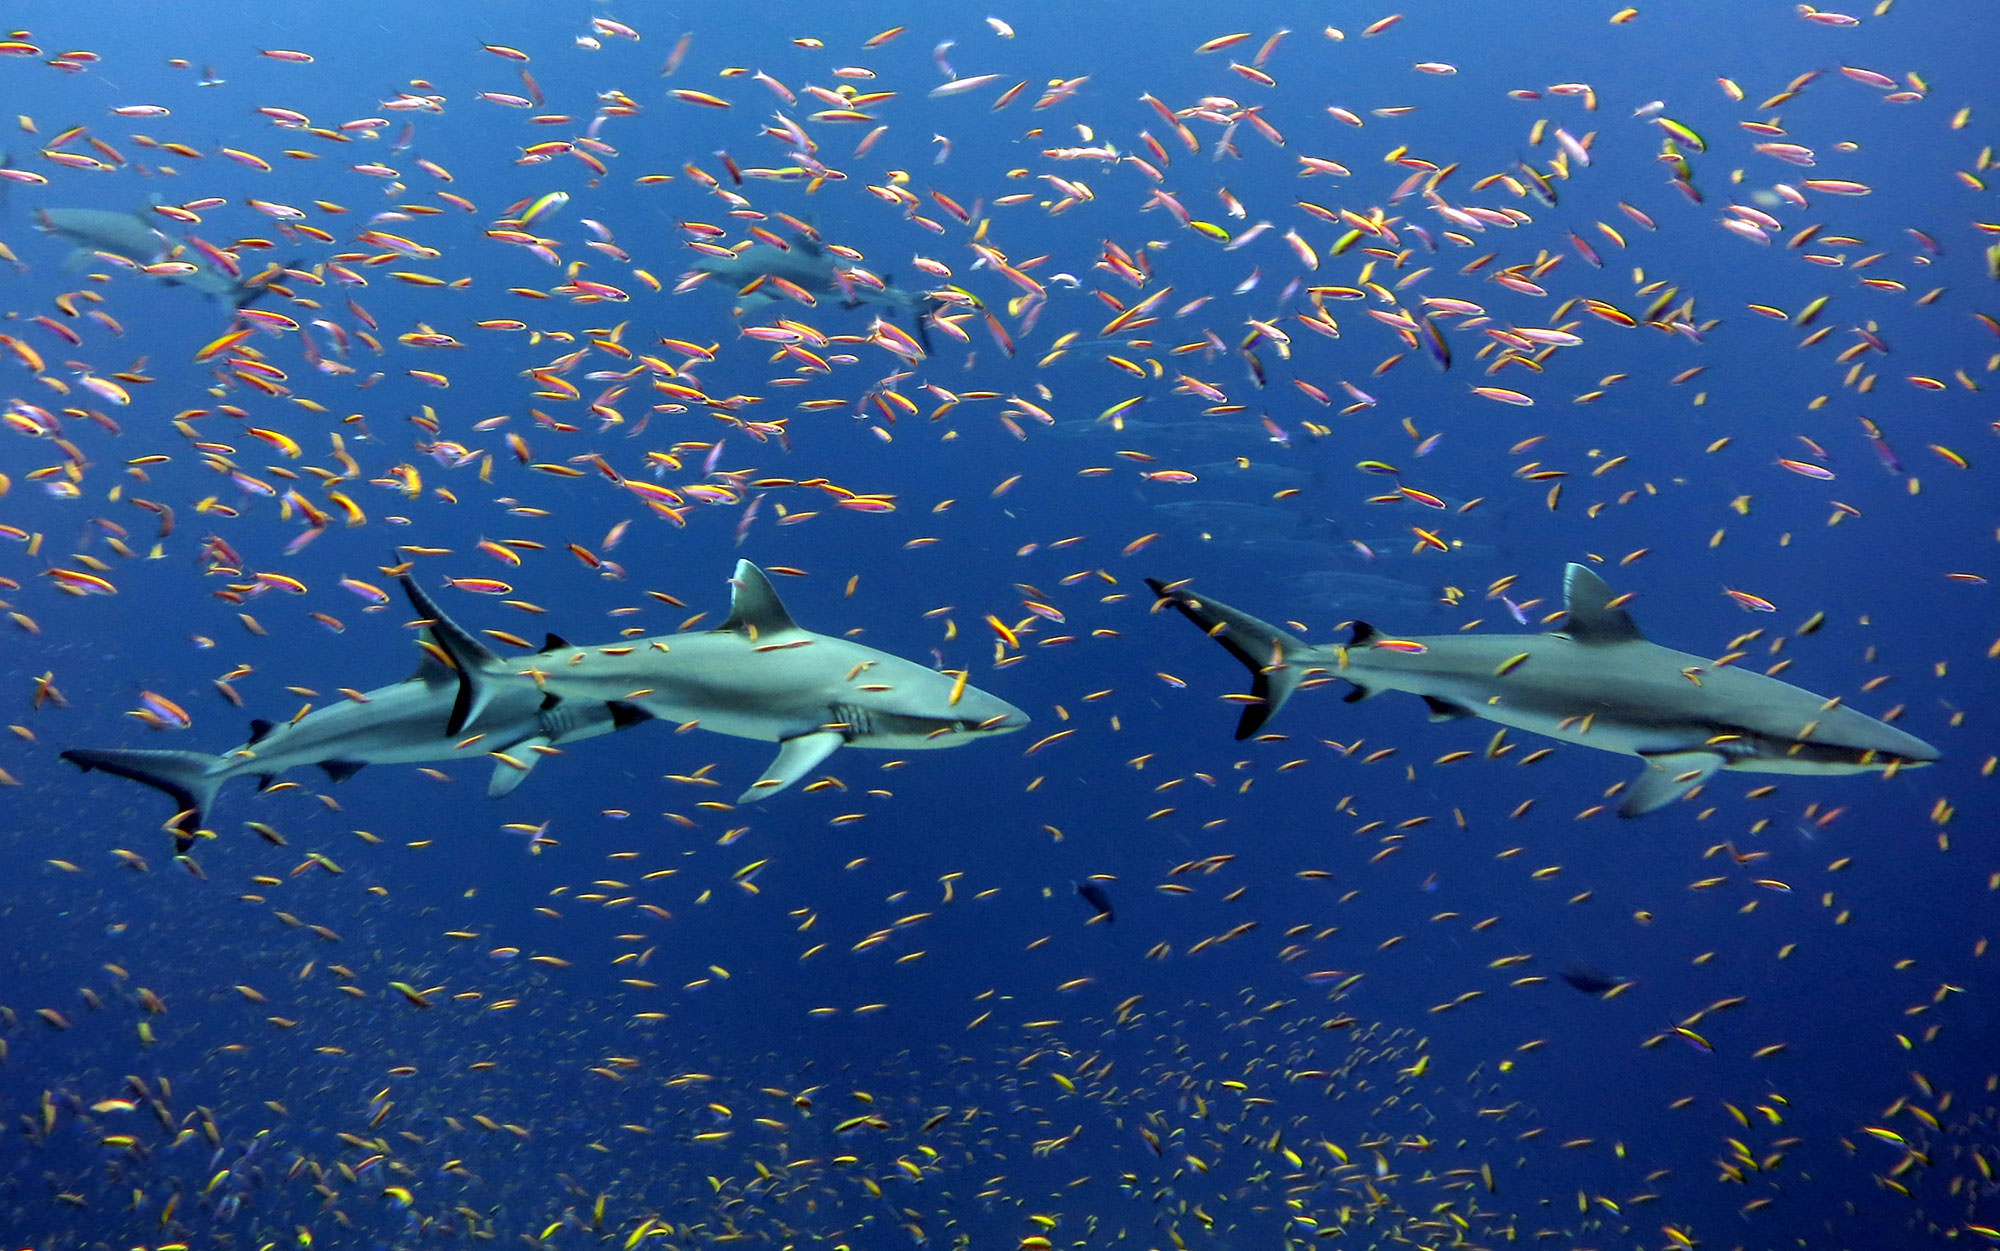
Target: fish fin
<point x="553" y="643"/>
<point x="1668" y="776"/>
<point x="625" y="714"/>
<point x="259" y="730"/>
<point x="754" y="607"/>
<point x="1591" y="618"/>
<point x="1445" y="710"/>
<point x="796" y="758"/>
<point x="1356" y="692"/>
<point x="191" y="777"/>
<point x="1263" y="648"/>
<point x="341" y="770"/>
<point x="520" y="761"/>
<point x="468" y="655"/>
<point x="265" y="781"/>
<point x="1360" y="633"/>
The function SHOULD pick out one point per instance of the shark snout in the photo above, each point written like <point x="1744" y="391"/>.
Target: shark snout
<point x="982" y="713"/>
<point x="1003" y="718"/>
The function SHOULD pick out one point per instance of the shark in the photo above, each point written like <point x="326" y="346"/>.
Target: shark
<point x="757" y="676"/>
<point x="131" y="237"/>
<point x="1596" y="682"/>
<point x="806" y="265"/>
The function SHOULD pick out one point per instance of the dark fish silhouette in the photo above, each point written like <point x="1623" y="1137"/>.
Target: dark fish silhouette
<point x="1590" y="981"/>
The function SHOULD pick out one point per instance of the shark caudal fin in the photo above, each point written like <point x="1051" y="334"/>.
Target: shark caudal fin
<point x="1273" y="657"/>
<point x="471" y="658"/>
<point x="191" y="777"/>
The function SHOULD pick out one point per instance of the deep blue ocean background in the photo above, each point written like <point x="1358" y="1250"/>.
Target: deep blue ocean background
<point x="1331" y="1006"/>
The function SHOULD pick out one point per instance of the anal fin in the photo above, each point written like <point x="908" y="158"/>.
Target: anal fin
<point x="341" y="770"/>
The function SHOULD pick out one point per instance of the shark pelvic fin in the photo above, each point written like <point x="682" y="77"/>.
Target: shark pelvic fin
<point x="341" y="770"/>
<point x="468" y="655"/>
<point x="625" y="714"/>
<point x="1445" y="710"/>
<point x="754" y="607"/>
<point x="796" y="758"/>
<point x="1263" y="648"/>
<point x="1668" y="776"/>
<point x="1592" y="619"/>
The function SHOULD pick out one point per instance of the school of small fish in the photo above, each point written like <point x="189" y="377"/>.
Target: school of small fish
<point x="1004" y="318"/>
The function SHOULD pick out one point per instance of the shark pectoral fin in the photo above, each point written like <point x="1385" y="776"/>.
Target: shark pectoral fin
<point x="511" y="767"/>
<point x="796" y="758"/>
<point x="1445" y="710"/>
<point x="1668" y="776"/>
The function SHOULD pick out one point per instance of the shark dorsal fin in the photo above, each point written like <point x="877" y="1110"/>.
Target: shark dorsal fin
<point x="754" y="607"/>
<point x="1592" y="619"/>
<point x="472" y="658"/>
<point x="1360" y="633"/>
<point x="260" y="729"/>
<point x="554" y="643"/>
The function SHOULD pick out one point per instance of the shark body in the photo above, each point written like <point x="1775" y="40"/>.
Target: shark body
<point x="758" y="676"/>
<point x="131" y="237"/>
<point x="806" y="265"/>
<point x="1597" y="683"/>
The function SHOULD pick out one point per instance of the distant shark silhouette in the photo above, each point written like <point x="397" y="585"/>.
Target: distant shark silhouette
<point x="761" y="272"/>
<point x="131" y="237"/>
<point x="758" y="676"/>
<point x="1596" y="682"/>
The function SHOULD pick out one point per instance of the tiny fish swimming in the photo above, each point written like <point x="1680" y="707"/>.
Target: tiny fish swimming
<point x="1597" y="682"/>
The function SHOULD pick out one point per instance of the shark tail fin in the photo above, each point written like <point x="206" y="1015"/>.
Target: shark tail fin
<point x="191" y="777"/>
<point x="471" y="658"/>
<point x="1272" y="655"/>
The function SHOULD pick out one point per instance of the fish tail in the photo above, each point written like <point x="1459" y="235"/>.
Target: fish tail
<point x="1272" y="656"/>
<point x="191" y="777"/>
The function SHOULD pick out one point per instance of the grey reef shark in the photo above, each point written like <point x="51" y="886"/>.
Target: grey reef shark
<point x="1596" y="682"/>
<point x="763" y="274"/>
<point x="757" y="676"/>
<point x="129" y="237"/>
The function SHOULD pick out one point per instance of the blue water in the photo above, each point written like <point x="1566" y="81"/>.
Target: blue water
<point x="1331" y="1005"/>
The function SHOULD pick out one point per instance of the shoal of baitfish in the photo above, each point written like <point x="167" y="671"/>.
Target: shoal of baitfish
<point x="1411" y="254"/>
